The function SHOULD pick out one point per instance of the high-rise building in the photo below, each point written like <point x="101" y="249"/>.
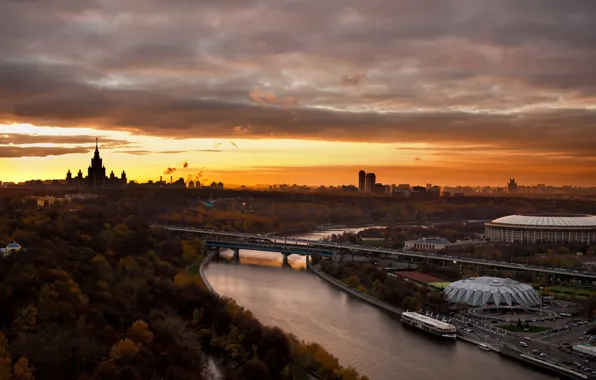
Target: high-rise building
<point x="370" y="181"/>
<point x="361" y="181"/>
<point x="512" y="186"/>
<point x="96" y="175"/>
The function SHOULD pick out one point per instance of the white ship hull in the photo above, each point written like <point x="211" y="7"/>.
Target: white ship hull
<point x="429" y="329"/>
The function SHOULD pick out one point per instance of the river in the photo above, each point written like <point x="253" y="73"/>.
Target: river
<point x="359" y="334"/>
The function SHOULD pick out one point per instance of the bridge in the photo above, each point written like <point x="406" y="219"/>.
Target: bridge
<point x="277" y="244"/>
<point x="284" y="249"/>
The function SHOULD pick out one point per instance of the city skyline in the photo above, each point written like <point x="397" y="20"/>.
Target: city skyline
<point x="182" y="168"/>
<point x="456" y="92"/>
<point x="97" y="177"/>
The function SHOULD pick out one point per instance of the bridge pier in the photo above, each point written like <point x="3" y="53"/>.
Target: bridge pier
<point x="285" y="262"/>
<point x="217" y="253"/>
<point x="236" y="257"/>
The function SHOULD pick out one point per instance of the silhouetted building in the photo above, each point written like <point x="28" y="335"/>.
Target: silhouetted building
<point x="361" y="181"/>
<point x="378" y="188"/>
<point x="512" y="186"/>
<point x="96" y="175"/>
<point x="179" y="183"/>
<point x="370" y="181"/>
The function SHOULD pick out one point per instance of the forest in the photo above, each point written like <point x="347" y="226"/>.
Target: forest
<point x="267" y="211"/>
<point x="374" y="281"/>
<point x="99" y="294"/>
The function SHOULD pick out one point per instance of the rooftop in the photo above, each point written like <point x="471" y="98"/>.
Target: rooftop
<point x="547" y="220"/>
<point x="427" y="320"/>
<point x="432" y="240"/>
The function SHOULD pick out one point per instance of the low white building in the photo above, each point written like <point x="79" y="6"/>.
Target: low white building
<point x="10" y="249"/>
<point x="440" y="244"/>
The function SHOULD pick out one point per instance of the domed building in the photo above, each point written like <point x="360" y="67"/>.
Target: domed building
<point x="554" y="228"/>
<point x="483" y="291"/>
<point x="11" y="248"/>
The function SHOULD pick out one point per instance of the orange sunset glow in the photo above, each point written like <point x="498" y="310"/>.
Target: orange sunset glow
<point x="257" y="92"/>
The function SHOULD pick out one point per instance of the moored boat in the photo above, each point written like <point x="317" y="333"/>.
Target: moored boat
<point x="429" y="325"/>
<point x="484" y="346"/>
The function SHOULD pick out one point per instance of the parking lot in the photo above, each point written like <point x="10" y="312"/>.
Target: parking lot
<point x="554" y="345"/>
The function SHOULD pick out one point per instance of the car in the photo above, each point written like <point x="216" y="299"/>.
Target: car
<point x="527" y="338"/>
<point x="523" y="344"/>
<point x="543" y="354"/>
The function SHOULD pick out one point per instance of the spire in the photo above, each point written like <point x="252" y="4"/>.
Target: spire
<point x="96" y="155"/>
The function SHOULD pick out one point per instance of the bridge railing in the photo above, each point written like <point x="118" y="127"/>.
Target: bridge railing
<point x="281" y="248"/>
<point x="503" y="264"/>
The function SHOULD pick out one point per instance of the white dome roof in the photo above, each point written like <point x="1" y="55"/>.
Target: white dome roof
<point x="569" y="220"/>
<point x="480" y="291"/>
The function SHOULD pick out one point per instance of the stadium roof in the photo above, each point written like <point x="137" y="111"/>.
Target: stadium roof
<point x="580" y="220"/>
<point x="480" y="291"/>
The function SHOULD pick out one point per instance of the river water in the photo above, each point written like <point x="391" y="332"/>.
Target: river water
<point x="359" y="334"/>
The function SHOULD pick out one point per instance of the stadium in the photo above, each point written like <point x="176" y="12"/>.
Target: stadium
<point x="553" y="228"/>
<point x="483" y="291"/>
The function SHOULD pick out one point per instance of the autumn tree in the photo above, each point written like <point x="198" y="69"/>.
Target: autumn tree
<point x="139" y="332"/>
<point x="189" y="253"/>
<point x="353" y="281"/>
<point x="5" y="369"/>
<point x="124" y="348"/>
<point x="22" y="370"/>
<point x="25" y="319"/>
<point x="3" y="346"/>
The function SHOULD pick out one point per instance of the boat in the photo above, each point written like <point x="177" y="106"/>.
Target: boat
<point x="429" y="325"/>
<point x="484" y="346"/>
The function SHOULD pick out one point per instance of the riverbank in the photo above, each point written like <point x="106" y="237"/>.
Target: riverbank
<point x="365" y="297"/>
<point x="311" y="374"/>
<point x="202" y="267"/>
<point x="462" y="335"/>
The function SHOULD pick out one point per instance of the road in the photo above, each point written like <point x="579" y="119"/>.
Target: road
<point x="536" y="344"/>
<point x="390" y="253"/>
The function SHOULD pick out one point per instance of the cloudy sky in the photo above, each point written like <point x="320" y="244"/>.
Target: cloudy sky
<point x="272" y="91"/>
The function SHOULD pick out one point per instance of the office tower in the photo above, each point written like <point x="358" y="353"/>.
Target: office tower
<point x="361" y="181"/>
<point x="370" y="181"/>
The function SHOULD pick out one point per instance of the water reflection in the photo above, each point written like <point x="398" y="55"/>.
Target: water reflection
<point x="270" y="259"/>
<point x="357" y="333"/>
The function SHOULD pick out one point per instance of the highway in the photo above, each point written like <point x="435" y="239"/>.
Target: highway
<point x="391" y="253"/>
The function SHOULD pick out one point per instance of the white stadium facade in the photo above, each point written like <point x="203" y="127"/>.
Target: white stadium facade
<point x="553" y="228"/>
<point x="484" y="291"/>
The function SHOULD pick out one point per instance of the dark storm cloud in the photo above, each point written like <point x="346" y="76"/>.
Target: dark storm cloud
<point x="25" y="139"/>
<point x="15" y="151"/>
<point x="512" y="75"/>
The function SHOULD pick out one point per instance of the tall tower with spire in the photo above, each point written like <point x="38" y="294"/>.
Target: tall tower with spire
<point x="96" y="174"/>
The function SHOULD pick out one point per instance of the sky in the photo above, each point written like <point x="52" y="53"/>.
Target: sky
<point x="301" y="91"/>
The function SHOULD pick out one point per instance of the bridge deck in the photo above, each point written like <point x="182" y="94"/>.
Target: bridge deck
<point x="331" y="247"/>
<point x="272" y="247"/>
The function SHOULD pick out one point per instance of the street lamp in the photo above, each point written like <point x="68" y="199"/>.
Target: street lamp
<point x="541" y="301"/>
